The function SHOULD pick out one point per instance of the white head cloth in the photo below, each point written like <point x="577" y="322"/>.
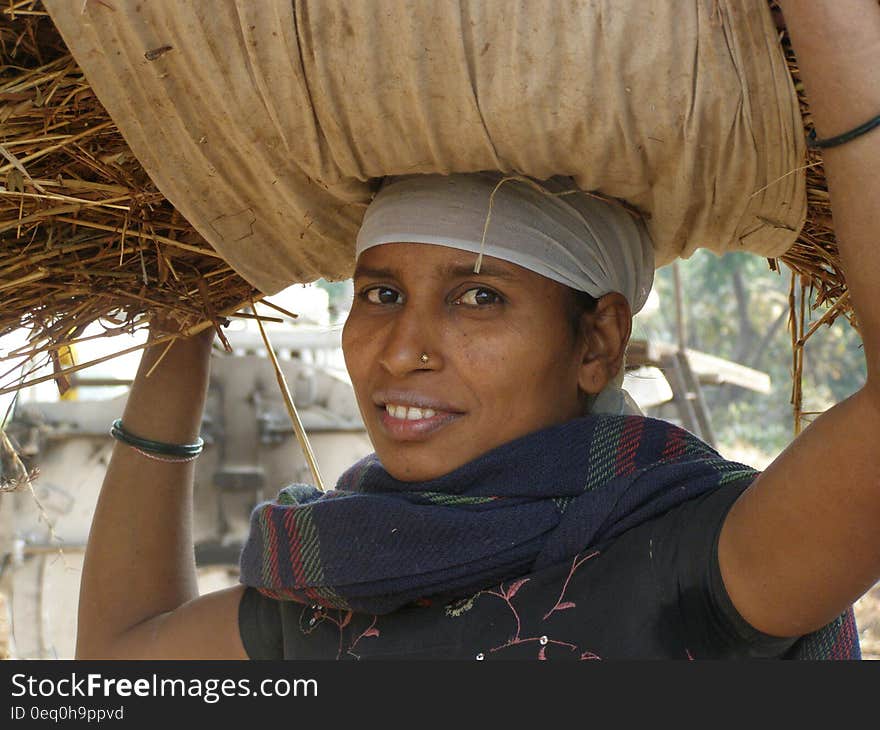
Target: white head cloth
<point x="576" y="239"/>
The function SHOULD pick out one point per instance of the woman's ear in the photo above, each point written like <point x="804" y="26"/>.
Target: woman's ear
<point x="606" y="333"/>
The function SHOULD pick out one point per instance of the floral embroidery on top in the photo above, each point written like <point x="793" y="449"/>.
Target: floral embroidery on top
<point x="341" y="621"/>
<point x="575" y="564"/>
<point x="543" y="640"/>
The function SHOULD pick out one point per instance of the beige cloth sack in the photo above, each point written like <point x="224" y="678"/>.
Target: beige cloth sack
<point x="267" y="122"/>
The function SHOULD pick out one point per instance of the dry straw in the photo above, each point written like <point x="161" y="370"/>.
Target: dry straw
<point x="85" y="236"/>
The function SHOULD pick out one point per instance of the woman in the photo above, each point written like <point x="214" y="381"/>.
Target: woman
<point x="472" y="388"/>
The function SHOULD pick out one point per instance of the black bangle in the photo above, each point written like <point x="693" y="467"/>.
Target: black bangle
<point x="154" y="447"/>
<point x="814" y="143"/>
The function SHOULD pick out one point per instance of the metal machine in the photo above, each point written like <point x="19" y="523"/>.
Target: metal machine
<point x="251" y="452"/>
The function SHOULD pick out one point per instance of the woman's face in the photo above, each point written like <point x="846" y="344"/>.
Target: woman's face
<point x="503" y="360"/>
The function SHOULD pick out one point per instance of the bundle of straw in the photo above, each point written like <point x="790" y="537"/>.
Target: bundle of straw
<point x="86" y="237"/>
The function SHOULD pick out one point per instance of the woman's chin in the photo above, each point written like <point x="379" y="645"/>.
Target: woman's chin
<point x="417" y="451"/>
<point x="421" y="464"/>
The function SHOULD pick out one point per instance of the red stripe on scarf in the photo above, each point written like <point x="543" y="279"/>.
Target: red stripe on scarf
<point x="629" y="442"/>
<point x="295" y="552"/>
<point x="674" y="445"/>
<point x="845" y="640"/>
<point x="296" y="564"/>
<point x="272" y="549"/>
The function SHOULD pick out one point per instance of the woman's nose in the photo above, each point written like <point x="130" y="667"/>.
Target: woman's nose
<point x="410" y="344"/>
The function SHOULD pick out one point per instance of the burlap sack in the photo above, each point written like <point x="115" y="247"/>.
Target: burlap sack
<point x="265" y="122"/>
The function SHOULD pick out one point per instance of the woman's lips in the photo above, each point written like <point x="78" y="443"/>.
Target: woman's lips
<point x="414" y="429"/>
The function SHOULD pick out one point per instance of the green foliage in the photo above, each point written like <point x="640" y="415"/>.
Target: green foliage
<point x="738" y="327"/>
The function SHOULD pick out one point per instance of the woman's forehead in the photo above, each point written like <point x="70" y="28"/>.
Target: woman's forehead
<point x="401" y="259"/>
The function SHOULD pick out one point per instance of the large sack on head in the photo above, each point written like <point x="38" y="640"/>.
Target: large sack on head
<point x="267" y="123"/>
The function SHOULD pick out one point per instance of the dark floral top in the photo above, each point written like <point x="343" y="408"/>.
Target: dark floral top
<point x="655" y="592"/>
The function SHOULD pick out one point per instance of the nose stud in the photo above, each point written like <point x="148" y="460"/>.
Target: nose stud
<point x="424" y="357"/>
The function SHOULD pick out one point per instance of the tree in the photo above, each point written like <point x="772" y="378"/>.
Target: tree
<point x="737" y="308"/>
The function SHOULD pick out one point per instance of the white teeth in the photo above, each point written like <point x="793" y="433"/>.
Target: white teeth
<point x="409" y="414"/>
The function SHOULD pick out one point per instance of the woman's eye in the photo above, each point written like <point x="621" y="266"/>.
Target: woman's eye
<point x="382" y="295"/>
<point x="478" y="297"/>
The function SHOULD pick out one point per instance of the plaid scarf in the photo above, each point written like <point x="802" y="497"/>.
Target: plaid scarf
<point x="374" y="543"/>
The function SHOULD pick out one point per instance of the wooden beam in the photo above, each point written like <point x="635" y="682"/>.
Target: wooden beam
<point x="709" y="369"/>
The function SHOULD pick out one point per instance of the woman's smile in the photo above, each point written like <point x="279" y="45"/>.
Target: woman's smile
<point x="411" y="416"/>
<point x="406" y="423"/>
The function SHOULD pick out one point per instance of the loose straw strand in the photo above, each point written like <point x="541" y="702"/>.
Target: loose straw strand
<point x="506" y="178"/>
<point x="160" y="358"/>
<point x="291" y="408"/>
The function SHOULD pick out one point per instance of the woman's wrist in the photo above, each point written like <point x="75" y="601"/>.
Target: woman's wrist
<point x="168" y="394"/>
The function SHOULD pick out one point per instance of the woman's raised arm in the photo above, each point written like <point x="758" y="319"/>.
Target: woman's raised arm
<point x="803" y="542"/>
<point x="138" y="595"/>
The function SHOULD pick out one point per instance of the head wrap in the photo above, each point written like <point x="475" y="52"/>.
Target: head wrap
<point x="581" y="240"/>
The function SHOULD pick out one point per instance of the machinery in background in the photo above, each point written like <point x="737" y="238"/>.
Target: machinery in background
<point x="251" y="452"/>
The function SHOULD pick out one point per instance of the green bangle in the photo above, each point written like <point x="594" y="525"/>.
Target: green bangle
<point x="154" y="447"/>
<point x="823" y="144"/>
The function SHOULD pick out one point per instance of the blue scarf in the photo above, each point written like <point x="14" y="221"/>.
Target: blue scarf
<point x="375" y="543"/>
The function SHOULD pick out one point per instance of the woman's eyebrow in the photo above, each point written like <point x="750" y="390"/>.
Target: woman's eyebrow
<point x="486" y="269"/>
<point x="373" y="273"/>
